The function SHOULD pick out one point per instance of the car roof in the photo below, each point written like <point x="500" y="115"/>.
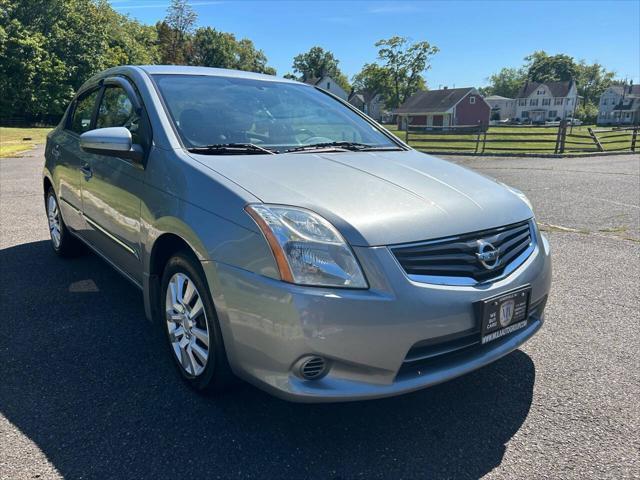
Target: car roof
<point x="211" y="72"/>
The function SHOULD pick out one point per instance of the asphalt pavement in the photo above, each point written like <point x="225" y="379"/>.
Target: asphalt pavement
<point x="87" y="389"/>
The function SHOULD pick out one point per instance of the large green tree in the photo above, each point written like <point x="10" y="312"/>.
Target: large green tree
<point x="48" y="48"/>
<point x="318" y="62"/>
<point x="592" y="79"/>
<point x="211" y="48"/>
<point x="405" y="63"/>
<point x="175" y="32"/>
<point x="542" y="67"/>
<point x="506" y="82"/>
<point x="375" y="79"/>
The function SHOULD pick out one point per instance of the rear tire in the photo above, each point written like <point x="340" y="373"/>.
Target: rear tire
<point x="191" y="326"/>
<point x="62" y="241"/>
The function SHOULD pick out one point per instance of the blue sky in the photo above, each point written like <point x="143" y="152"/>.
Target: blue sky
<point x="476" y="38"/>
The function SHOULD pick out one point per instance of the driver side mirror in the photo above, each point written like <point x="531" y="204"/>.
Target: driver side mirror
<point x="112" y="141"/>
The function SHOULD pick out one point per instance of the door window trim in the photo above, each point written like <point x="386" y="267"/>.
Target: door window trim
<point x="81" y="95"/>
<point x="127" y="87"/>
<point x="131" y="91"/>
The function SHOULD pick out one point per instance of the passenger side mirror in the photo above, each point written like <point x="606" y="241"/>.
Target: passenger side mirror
<point x="112" y="141"/>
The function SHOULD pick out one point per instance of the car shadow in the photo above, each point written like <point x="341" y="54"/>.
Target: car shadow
<point x="89" y="381"/>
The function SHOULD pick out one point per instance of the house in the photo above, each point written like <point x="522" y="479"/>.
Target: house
<point x="549" y="101"/>
<point x="619" y="104"/>
<point x="443" y="108"/>
<point x="329" y="84"/>
<point x="502" y="108"/>
<point x="369" y="102"/>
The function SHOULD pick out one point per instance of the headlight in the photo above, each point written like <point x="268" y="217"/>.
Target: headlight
<point x="307" y="248"/>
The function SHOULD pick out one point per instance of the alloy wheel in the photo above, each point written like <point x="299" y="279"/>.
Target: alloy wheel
<point x="53" y="214"/>
<point x="187" y="324"/>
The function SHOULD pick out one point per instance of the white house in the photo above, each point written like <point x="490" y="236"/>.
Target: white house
<point x="369" y="102"/>
<point x="619" y="105"/>
<point x="502" y="108"/>
<point x="330" y="85"/>
<point x="540" y="102"/>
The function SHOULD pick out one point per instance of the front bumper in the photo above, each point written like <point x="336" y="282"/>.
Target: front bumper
<point x="365" y="335"/>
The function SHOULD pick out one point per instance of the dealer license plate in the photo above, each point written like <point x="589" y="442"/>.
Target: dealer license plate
<point x="504" y="314"/>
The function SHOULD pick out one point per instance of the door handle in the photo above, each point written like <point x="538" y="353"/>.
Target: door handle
<point x="86" y="171"/>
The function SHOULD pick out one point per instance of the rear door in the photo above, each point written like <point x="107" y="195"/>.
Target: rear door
<point x="112" y="191"/>
<point x="68" y="158"/>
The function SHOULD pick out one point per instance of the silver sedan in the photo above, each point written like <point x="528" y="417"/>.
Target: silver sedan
<point x="281" y="236"/>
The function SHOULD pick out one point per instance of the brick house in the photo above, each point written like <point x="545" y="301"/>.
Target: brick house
<point x="435" y="109"/>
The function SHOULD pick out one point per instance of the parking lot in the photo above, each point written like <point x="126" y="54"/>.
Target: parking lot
<point x="87" y="389"/>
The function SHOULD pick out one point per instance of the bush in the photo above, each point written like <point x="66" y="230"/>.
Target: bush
<point x="587" y="113"/>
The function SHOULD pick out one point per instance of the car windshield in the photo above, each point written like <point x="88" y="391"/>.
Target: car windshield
<point x="212" y="113"/>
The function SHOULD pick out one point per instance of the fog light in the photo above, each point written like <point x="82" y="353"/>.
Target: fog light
<point x="311" y="367"/>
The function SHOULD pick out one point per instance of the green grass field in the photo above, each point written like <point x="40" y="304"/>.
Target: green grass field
<point x="511" y="138"/>
<point x="14" y="141"/>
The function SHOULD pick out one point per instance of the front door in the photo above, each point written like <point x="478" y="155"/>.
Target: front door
<point x="437" y="120"/>
<point x="112" y="190"/>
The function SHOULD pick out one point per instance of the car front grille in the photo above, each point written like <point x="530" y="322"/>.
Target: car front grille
<point x="458" y="257"/>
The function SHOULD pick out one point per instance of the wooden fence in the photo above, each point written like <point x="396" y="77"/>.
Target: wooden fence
<point x="542" y="139"/>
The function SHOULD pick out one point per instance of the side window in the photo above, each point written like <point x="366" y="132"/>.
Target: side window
<point x="81" y="120"/>
<point x="116" y="110"/>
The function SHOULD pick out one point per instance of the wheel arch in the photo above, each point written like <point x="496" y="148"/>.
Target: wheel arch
<point x="46" y="184"/>
<point x="164" y="246"/>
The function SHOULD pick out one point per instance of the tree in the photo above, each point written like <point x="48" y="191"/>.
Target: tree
<point x="317" y="63"/>
<point x="211" y="48"/>
<point x="506" y="83"/>
<point x="550" y="68"/>
<point x="592" y="81"/>
<point x="405" y="62"/>
<point x="181" y="20"/>
<point x="374" y="78"/>
<point x="48" y="48"/>
<point x="251" y="59"/>
<point x="587" y="112"/>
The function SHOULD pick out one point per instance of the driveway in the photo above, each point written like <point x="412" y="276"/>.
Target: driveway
<point x="87" y="389"/>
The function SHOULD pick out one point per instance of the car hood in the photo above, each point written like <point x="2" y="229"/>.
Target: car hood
<point x="377" y="198"/>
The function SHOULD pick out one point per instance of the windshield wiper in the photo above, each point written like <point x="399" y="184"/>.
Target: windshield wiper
<point x="353" y="146"/>
<point x="231" y="149"/>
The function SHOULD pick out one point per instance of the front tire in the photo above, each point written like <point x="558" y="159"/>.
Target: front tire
<point x="191" y="325"/>
<point x="62" y="241"/>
